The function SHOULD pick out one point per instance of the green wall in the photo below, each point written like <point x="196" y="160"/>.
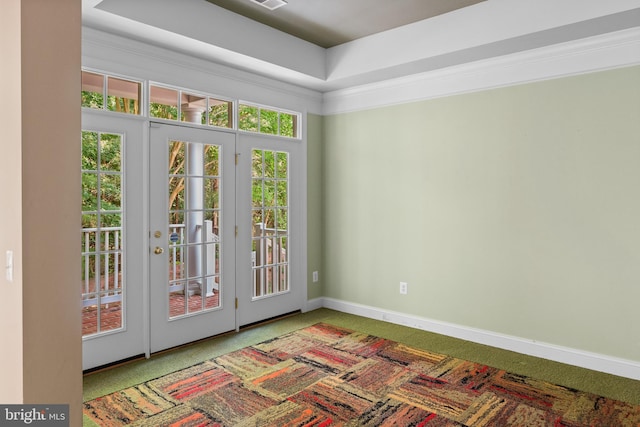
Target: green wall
<point x="514" y="210"/>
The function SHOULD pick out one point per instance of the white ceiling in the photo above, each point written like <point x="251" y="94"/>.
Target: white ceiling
<point x="473" y="31"/>
<point x="328" y="23"/>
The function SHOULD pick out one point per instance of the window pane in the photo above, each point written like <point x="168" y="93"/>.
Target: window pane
<point x="89" y="220"/>
<point x="110" y="192"/>
<point x="176" y="193"/>
<point x="163" y="103"/>
<point x="220" y="113"/>
<point x="193" y="108"/>
<point x="256" y="163"/>
<point x="89" y="150"/>
<point x="211" y="162"/>
<point x="256" y="193"/>
<point x="282" y="220"/>
<point x="269" y="192"/>
<point x="269" y="122"/>
<point x="111" y="220"/>
<point x="90" y="193"/>
<point x="248" y="118"/>
<point x="282" y="164"/>
<point x="176" y="158"/>
<point x="123" y="96"/>
<point x="282" y="196"/>
<point x="211" y="193"/>
<point x="110" y="152"/>
<point x="287" y="125"/>
<point x="269" y="164"/>
<point x="92" y="90"/>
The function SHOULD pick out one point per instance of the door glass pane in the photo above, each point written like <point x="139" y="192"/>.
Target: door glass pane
<point x="195" y="218"/>
<point x="270" y="212"/>
<point x="102" y="243"/>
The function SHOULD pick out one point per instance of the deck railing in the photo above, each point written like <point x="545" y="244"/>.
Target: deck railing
<point x="102" y="258"/>
<point x="178" y="272"/>
<point x="102" y="266"/>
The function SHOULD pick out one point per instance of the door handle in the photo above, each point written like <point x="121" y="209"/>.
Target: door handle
<point x="158" y="250"/>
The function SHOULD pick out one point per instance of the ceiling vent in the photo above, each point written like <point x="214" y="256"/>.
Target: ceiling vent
<point x="270" y="4"/>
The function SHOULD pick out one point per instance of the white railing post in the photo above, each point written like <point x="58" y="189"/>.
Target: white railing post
<point x="116" y="260"/>
<point x="107" y="236"/>
<point x="212" y="257"/>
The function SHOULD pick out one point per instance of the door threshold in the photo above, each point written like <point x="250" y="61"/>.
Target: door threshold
<point x="112" y="365"/>
<point x="270" y="320"/>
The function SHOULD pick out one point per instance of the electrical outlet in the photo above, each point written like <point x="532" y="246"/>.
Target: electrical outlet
<point x="315" y="276"/>
<point x="404" y="288"/>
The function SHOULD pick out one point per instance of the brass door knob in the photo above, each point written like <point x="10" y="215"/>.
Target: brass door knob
<point x="158" y="250"/>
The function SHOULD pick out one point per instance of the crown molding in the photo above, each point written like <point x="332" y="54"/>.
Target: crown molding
<point x="613" y="50"/>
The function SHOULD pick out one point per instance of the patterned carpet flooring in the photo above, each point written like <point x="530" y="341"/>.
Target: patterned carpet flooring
<point x="325" y="375"/>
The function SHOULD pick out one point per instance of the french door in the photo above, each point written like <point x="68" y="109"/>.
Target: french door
<point x="112" y="239"/>
<point x="207" y="235"/>
<point x="271" y="258"/>
<point x="192" y="238"/>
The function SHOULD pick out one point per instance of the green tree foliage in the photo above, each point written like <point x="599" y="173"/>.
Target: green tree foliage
<point x="271" y="122"/>
<point x="163" y="111"/>
<point x="287" y="125"/>
<point x="101" y="179"/>
<point x="219" y="115"/>
<point x="121" y="105"/>
<point x="248" y="118"/>
<point x="92" y="99"/>
<point x="269" y="190"/>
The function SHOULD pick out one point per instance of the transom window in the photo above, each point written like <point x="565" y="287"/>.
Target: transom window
<point x="104" y="92"/>
<point x="267" y="120"/>
<point x="107" y="92"/>
<point x="175" y="104"/>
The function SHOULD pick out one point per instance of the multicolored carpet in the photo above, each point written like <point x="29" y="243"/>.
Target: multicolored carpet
<point x="324" y="375"/>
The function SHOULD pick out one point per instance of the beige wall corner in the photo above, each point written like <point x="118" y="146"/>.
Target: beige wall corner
<point x="52" y="346"/>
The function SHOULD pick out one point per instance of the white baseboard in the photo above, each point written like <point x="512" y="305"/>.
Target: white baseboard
<point x="594" y="361"/>
<point x="313" y="304"/>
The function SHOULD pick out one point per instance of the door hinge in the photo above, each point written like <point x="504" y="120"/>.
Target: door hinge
<point x="236" y="231"/>
<point x="237" y="155"/>
<point x="236" y="303"/>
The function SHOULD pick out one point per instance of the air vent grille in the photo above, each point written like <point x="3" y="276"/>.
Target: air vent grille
<point x="270" y="4"/>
